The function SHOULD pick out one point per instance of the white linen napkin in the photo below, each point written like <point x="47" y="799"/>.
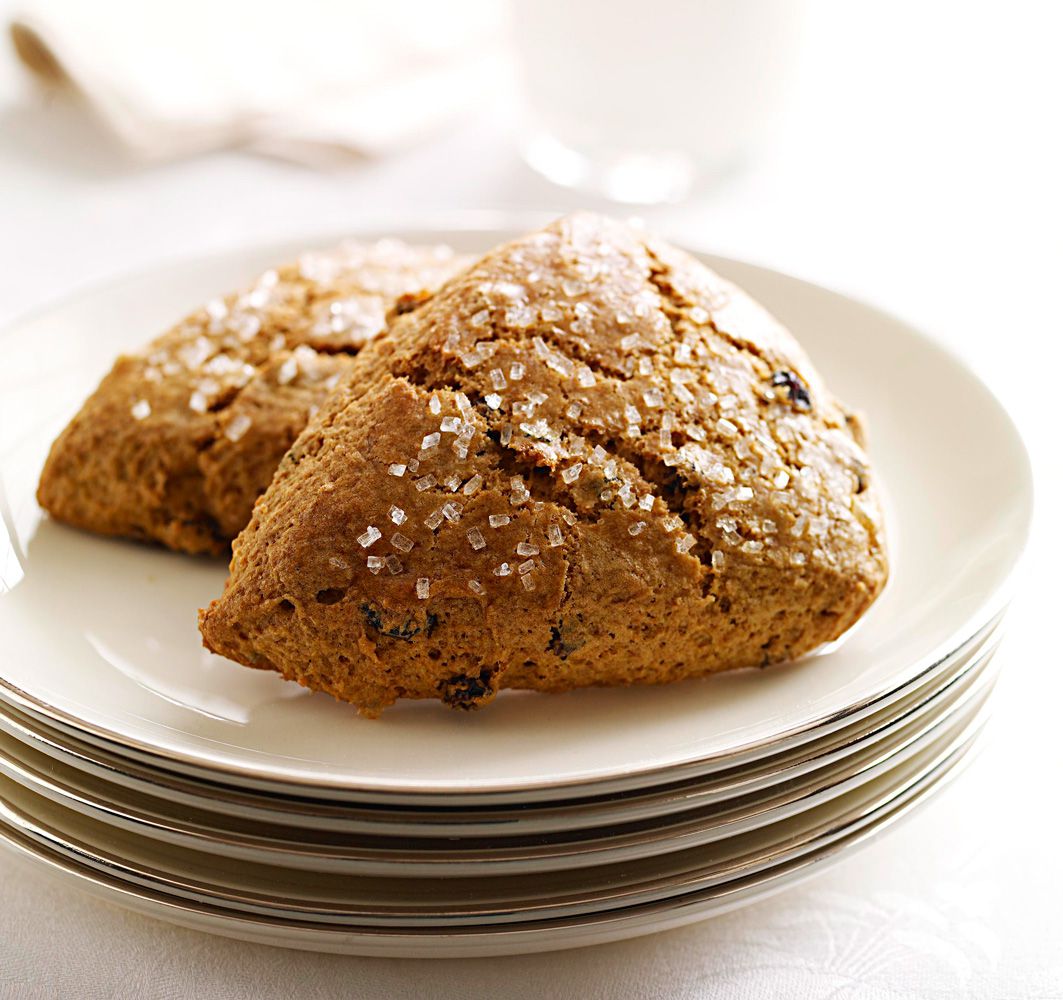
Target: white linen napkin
<point x="309" y="80"/>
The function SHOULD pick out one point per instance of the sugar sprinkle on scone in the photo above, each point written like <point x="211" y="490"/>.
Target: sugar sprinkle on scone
<point x="587" y="460"/>
<point x="180" y="439"/>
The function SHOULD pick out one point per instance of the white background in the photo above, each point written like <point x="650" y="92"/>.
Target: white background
<point x="919" y="167"/>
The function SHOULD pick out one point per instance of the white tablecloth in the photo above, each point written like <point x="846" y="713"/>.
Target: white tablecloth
<point x="920" y="170"/>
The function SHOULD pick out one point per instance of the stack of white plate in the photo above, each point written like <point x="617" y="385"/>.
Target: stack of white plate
<point x="175" y="783"/>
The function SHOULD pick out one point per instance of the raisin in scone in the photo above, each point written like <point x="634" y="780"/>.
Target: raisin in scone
<point x="587" y="460"/>
<point x="180" y="439"/>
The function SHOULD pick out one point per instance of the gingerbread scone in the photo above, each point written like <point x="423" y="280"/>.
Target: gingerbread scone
<point x="180" y="439"/>
<point x="587" y="460"/>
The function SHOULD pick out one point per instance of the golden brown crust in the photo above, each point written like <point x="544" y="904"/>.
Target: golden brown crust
<point x="661" y="488"/>
<point x="179" y="440"/>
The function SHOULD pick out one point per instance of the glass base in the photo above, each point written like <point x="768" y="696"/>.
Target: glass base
<point x="640" y="177"/>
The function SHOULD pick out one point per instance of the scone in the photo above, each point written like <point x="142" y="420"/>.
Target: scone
<point x="587" y="460"/>
<point x="180" y="439"/>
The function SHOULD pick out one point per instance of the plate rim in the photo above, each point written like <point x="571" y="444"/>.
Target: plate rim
<point x="526" y="939"/>
<point x="955" y="753"/>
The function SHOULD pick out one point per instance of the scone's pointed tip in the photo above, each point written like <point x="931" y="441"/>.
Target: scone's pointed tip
<point x="204" y="629"/>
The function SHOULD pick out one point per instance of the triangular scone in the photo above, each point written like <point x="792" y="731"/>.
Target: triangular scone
<point x="180" y="439"/>
<point x="587" y="460"/>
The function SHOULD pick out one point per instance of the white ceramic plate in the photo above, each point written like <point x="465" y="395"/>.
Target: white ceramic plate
<point x="102" y="777"/>
<point x="100" y="636"/>
<point x="433" y="905"/>
<point x="482" y="853"/>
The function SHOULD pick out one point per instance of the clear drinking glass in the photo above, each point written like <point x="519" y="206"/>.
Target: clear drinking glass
<point x="638" y="99"/>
